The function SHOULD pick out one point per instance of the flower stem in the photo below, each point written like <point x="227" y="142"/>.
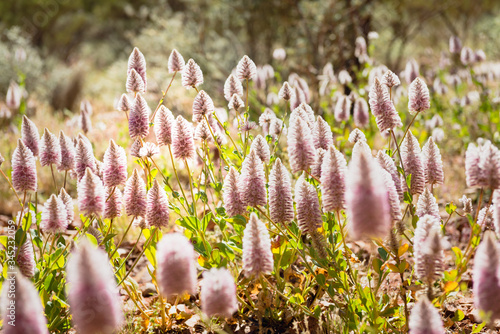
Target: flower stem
<point x="162" y="98"/>
<point x="11" y="186"/>
<point x="123" y="237"/>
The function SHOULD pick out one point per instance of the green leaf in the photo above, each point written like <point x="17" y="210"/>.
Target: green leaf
<point x="459" y="315"/>
<point x="92" y="239"/>
<point x="450" y="208"/>
<point x="383" y="253"/>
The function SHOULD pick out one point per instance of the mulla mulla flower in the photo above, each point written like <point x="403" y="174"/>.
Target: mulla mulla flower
<point x="390" y="79"/>
<point x="175" y="62"/>
<point x="231" y="194"/>
<point x="413" y="164"/>
<point x="382" y="108"/>
<point x="252" y="181"/>
<point x="356" y="135"/>
<point x="482" y="165"/>
<point x="360" y="113"/>
<point x="68" y="203"/>
<point x="333" y="185"/>
<point x="425" y="319"/>
<point x="138" y="122"/>
<point x="164" y="122"/>
<point x="218" y="293"/>
<point x="203" y="106"/>
<point x="343" y="109"/>
<point x="316" y="167"/>
<point x="257" y="254"/>
<point x="137" y="62"/>
<point x="280" y="194"/>
<point x="124" y="103"/>
<point x="286" y="92"/>
<point x="23" y="169"/>
<point x="192" y="76"/>
<point x="302" y="153"/>
<point x="183" y="147"/>
<point x="429" y="257"/>
<point x="261" y="147"/>
<point x="235" y="102"/>
<point x="50" y="151"/>
<point x="134" y="196"/>
<point x="387" y="163"/>
<point x="29" y="135"/>
<point x="93" y="297"/>
<point x="232" y="86"/>
<point x="265" y="120"/>
<point x="246" y="69"/>
<point x="157" y="211"/>
<point x="135" y="84"/>
<point x="54" y="216"/>
<point x="114" y="203"/>
<point x="176" y="265"/>
<point x="418" y="97"/>
<point x="322" y="134"/>
<point x="427" y="205"/>
<point x="308" y="210"/>
<point x="433" y="165"/>
<point x="25" y="258"/>
<point x="68" y="154"/>
<point x="115" y="165"/>
<point x="91" y="196"/>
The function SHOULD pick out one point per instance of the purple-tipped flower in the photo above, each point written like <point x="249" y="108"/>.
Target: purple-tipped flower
<point x="124" y="104"/>
<point x="260" y="146"/>
<point x="26" y="259"/>
<point x="95" y="304"/>
<point x="157" y="213"/>
<point x="218" y="293"/>
<point x="175" y="62"/>
<point x="418" y="97"/>
<point x="176" y="265"/>
<point x="425" y="319"/>
<point x="252" y="181"/>
<point x="316" y="167"/>
<point x="386" y="162"/>
<point x="84" y="158"/>
<point x="85" y="122"/>
<point x="182" y="139"/>
<point x="14" y="95"/>
<point x="485" y="277"/>
<point x="135" y="148"/>
<point x="246" y="69"/>
<point x="467" y="203"/>
<point x="298" y="97"/>
<point x="257" y="254"/>
<point x="286" y="92"/>
<point x="427" y="205"/>
<point x="203" y="106"/>
<point x="482" y="165"/>
<point x="137" y="62"/>
<point x="28" y="314"/>
<point x="138" y="122"/>
<point x="333" y="185"/>
<point x="91" y="195"/>
<point x="411" y="71"/>
<point x="360" y="113"/>
<point x="433" y="164"/>
<point x="356" y="135"/>
<point x="429" y="261"/>
<point x="232" y="86"/>
<point x="322" y="134"/>
<point x="366" y="197"/>
<point x="235" y="102"/>
<point x="115" y="165"/>
<point x="69" y="205"/>
<point x="302" y="153"/>
<point x="29" y="135"/>
<point x="343" y="109"/>
<point x="232" y="198"/>
<point x="54" y="216"/>
<point x="265" y="120"/>
<point x="485" y="218"/>
<point x="164" y="121"/>
<point x="113" y="206"/>
<point x="413" y="164"/>
<point x="455" y="44"/>
<point x="280" y="194"/>
<point x="467" y="56"/>
<point x="192" y="75"/>
<point x="202" y="132"/>
<point x="135" y="84"/>
<point x="382" y="107"/>
<point x="135" y="196"/>
<point x="392" y="196"/>
<point x="148" y="150"/>
<point x="308" y="211"/>
<point x="68" y="155"/>
<point x="390" y="79"/>
<point x="23" y="169"/>
<point x="50" y="151"/>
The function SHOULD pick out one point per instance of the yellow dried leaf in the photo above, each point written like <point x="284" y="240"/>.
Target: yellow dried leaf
<point x="450" y="286"/>
<point x="403" y="249"/>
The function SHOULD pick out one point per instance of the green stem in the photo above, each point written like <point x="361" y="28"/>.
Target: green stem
<point x="162" y="98"/>
<point x="123" y="237"/>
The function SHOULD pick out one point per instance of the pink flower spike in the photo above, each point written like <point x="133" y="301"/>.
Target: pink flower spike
<point x="23" y="169"/>
<point x="218" y="293"/>
<point x="257" y="255"/>
<point x="54" y="216"/>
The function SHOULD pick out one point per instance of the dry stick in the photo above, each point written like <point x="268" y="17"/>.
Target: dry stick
<point x="53" y="176"/>
<point x="123" y="237"/>
<point x="162" y="98"/>
<point x="11" y="186"/>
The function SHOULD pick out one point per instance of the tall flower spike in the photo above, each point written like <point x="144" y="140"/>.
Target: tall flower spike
<point x="322" y="134"/>
<point x="418" y="97"/>
<point x="316" y="167"/>
<point x="433" y="164"/>
<point x="366" y="198"/>
<point x="175" y="62"/>
<point x="232" y="198"/>
<point x="23" y="169"/>
<point x="308" y="211"/>
<point x="356" y="135"/>
<point x="425" y="319"/>
<point x="386" y="162"/>
<point x="412" y="160"/>
<point x="176" y="265"/>
<point x="392" y="196"/>
<point x="382" y="107"/>
<point x="427" y="205"/>
<point x="124" y="104"/>
<point x="54" y="216"/>
<point x="257" y="255"/>
<point x="85" y="121"/>
<point x="135" y="148"/>
<point x="485" y="277"/>
<point x="203" y="106"/>
<point x="50" y="151"/>
<point x="261" y="147"/>
<point x="91" y="197"/>
<point x="280" y="194"/>
<point x="114" y="203"/>
<point x="135" y="84"/>
<point x="265" y="120"/>
<point x="485" y="218"/>
<point x="92" y="291"/>
<point x="192" y="75"/>
<point x="135" y="196"/>
<point x="164" y="121"/>
<point x="343" y="109"/>
<point x="333" y="185"/>
<point x="138" y="123"/>
<point x="429" y="262"/>
<point x="68" y="154"/>
<point x="425" y="225"/>
<point x="411" y="71"/>
<point x="218" y="293"/>
<point x="235" y="102"/>
<point x="495" y="205"/>
<point x="157" y="212"/>
<point x="29" y="135"/>
<point x="246" y="69"/>
<point x="202" y="132"/>
<point x="182" y="139"/>
<point x="232" y="86"/>
<point x="137" y="62"/>
<point x="286" y="92"/>
<point x="298" y="97"/>
<point x="26" y="259"/>
<point x="302" y="153"/>
<point x="69" y="205"/>
<point x="115" y="165"/>
<point x="360" y="113"/>
<point x="252" y="181"/>
<point x="390" y="79"/>
<point x="482" y="165"/>
<point x="29" y="314"/>
<point x="84" y="158"/>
